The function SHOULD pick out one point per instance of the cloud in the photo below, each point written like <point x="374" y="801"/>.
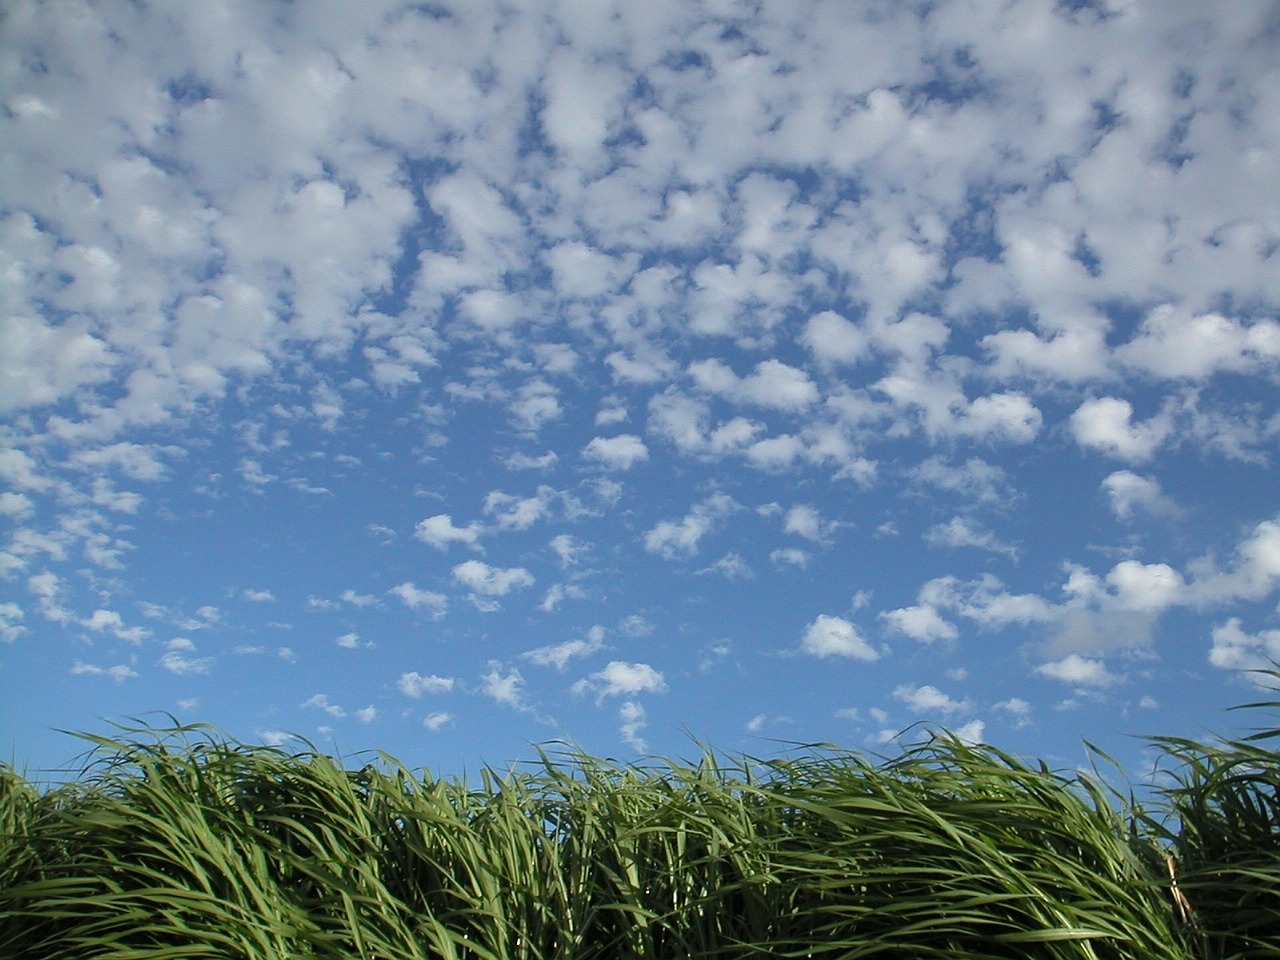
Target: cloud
<point x="926" y="700"/>
<point x="439" y="531"/>
<point x="803" y="520"/>
<point x="830" y="636"/>
<point x="437" y="721"/>
<point x="558" y="655"/>
<point x="1079" y="671"/>
<point x="772" y="384"/>
<point x="1234" y="649"/>
<point x="10" y="627"/>
<point x="616" y="453"/>
<point x="520" y="513"/>
<point x="920" y="622"/>
<point x="731" y="566"/>
<point x="960" y="532"/>
<point x="119" y="673"/>
<point x="1130" y="494"/>
<point x="622" y="679"/>
<point x="320" y="701"/>
<point x="834" y="340"/>
<point x="973" y="732"/>
<point x="675" y="539"/>
<point x="505" y="688"/>
<point x="1106" y="424"/>
<point x="258" y="596"/>
<point x="415" y="598"/>
<point x="1171" y="344"/>
<point x="634" y="719"/>
<point x="175" y="660"/>
<point x="568" y="549"/>
<point x="491" y="581"/>
<point x="414" y="684"/>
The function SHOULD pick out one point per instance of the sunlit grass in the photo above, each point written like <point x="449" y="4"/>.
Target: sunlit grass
<point x="179" y="843"/>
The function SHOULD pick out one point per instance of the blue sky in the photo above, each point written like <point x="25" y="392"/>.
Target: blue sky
<point x="447" y="379"/>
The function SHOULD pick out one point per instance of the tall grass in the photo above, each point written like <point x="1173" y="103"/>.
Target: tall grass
<point x="179" y="843"/>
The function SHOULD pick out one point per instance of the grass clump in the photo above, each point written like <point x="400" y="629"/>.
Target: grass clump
<point x="178" y="843"/>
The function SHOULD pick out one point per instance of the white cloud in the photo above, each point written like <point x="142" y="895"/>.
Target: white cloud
<point x="789" y="556"/>
<point x="1130" y="493"/>
<point x="119" y="673"/>
<point x="1079" y="671"/>
<point x="634" y="719"/>
<point x="439" y="532"/>
<point x="803" y="520"/>
<point x="505" y="688"/>
<point x="731" y="566"/>
<point x="1017" y="709"/>
<point x="415" y="598"/>
<point x="258" y="596"/>
<point x="437" y="721"/>
<point x="1255" y="572"/>
<point x="175" y="659"/>
<point x="360" y="600"/>
<point x="1234" y="649"/>
<point x="622" y="679"/>
<point x="830" y="636"/>
<point x="1106" y="424"/>
<point x="320" y="701"/>
<point x="10" y="627"/>
<point x="676" y="539"/>
<point x="772" y="384"/>
<point x="833" y="339"/>
<point x="558" y="655"/>
<point x="1146" y="587"/>
<point x="927" y="700"/>
<point x="617" y="453"/>
<point x="920" y="622"/>
<point x="972" y="732"/>
<point x="1169" y="343"/>
<point x="490" y="581"/>
<point x="975" y="479"/>
<point x="568" y="549"/>
<point x="414" y="684"/>
<point x="519" y="513"/>
<point x="960" y="532"/>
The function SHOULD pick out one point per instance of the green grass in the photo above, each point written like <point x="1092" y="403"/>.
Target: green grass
<point x="177" y="843"/>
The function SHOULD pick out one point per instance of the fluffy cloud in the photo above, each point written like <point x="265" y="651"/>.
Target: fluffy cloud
<point x="1106" y="424"/>
<point x="622" y="679"/>
<point x="416" y="598"/>
<point x="1079" y="671"/>
<point x="926" y="700"/>
<point x="506" y="688"/>
<point x="920" y="622"/>
<point x="414" y="684"/>
<point x="558" y="655"/>
<point x="674" y="539"/>
<point x="1234" y="649"/>
<point x="772" y="384"/>
<point x="1171" y="344"/>
<point x="177" y="660"/>
<point x="617" y="453"/>
<point x="830" y="636"/>
<point x="491" y="581"/>
<point x="439" y="532"/>
<point x="1130" y="494"/>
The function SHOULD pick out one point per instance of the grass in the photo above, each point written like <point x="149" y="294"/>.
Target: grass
<point x="178" y="843"/>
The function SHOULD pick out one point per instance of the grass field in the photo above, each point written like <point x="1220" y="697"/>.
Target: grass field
<point x="177" y="843"/>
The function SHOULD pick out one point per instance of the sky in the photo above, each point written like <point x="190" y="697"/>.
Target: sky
<point x="450" y="379"/>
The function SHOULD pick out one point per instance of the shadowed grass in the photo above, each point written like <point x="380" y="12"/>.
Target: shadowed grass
<point x="178" y="843"/>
